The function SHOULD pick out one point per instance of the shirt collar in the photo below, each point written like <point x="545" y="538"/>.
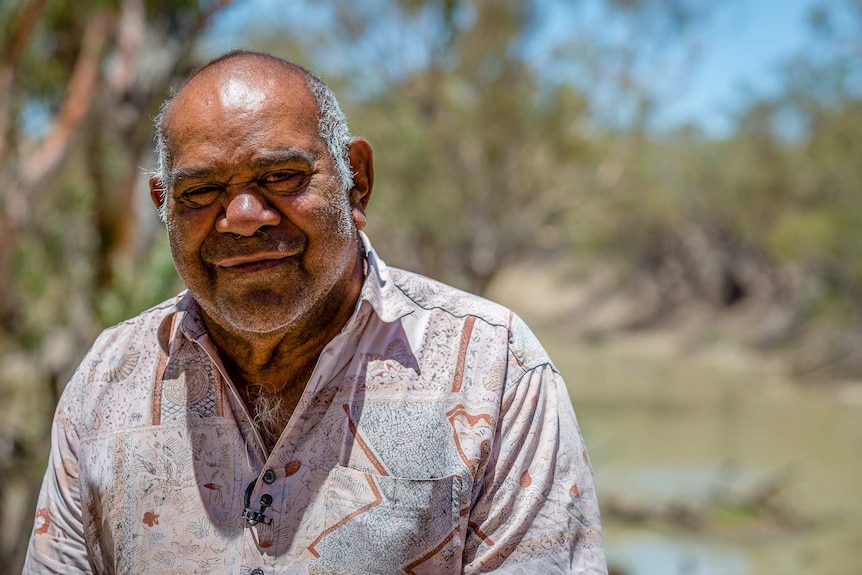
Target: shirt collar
<point x="378" y="289"/>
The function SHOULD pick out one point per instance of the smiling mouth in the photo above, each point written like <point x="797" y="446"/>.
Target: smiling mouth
<point x="252" y="262"/>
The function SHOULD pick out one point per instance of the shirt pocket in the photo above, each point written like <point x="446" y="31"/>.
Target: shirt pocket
<point x="382" y="524"/>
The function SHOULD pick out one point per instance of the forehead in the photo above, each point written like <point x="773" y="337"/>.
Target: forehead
<point x="231" y="112"/>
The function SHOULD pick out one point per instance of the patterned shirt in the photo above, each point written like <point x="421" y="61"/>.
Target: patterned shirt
<point x="434" y="436"/>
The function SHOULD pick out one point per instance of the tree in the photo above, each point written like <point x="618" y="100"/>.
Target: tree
<point x="487" y="125"/>
<point x="78" y="86"/>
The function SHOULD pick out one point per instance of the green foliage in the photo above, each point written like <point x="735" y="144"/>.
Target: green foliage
<point x="487" y="132"/>
<point x="78" y="252"/>
<point x="493" y="140"/>
<point x="488" y="146"/>
<point x="781" y="196"/>
<point x="138" y="287"/>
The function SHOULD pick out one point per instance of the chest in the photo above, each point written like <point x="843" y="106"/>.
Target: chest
<point x="343" y="478"/>
<point x="374" y="471"/>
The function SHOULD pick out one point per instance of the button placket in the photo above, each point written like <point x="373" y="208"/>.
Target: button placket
<point x="251" y="516"/>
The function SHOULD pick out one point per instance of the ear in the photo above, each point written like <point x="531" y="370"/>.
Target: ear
<point x="157" y="192"/>
<point x="362" y="166"/>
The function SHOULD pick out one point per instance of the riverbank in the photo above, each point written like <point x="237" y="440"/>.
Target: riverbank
<point x="687" y="425"/>
<point x="592" y="310"/>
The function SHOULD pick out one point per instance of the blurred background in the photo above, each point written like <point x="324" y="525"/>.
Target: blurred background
<point x="669" y="192"/>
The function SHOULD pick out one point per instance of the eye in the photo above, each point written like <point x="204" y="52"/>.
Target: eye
<point x="283" y="181"/>
<point x="201" y="196"/>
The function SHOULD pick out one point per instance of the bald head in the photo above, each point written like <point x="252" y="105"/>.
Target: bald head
<point x="241" y="81"/>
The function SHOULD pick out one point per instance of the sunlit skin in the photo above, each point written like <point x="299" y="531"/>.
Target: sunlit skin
<point x="260" y="229"/>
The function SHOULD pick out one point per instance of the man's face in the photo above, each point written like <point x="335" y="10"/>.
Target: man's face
<point x="260" y="229"/>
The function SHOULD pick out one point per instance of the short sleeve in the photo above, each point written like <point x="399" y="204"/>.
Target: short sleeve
<point x="57" y="541"/>
<point x="537" y="510"/>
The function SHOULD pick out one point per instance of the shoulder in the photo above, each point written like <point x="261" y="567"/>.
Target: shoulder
<point x="432" y="295"/>
<point x="119" y="365"/>
<point x="435" y="296"/>
<point x="137" y="332"/>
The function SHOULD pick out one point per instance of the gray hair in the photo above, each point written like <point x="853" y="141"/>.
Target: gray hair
<point x="331" y="124"/>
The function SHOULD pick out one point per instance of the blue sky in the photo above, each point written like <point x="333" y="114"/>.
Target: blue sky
<point x="742" y="50"/>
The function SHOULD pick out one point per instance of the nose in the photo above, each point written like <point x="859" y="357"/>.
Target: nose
<point x="246" y="213"/>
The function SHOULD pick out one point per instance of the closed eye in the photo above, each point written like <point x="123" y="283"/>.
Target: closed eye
<point x="201" y="196"/>
<point x="284" y="181"/>
<point x="279" y="176"/>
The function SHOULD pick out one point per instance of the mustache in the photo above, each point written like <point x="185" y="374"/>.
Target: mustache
<point x="223" y="246"/>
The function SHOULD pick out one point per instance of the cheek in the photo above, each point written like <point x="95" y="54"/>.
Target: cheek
<point x="192" y="223"/>
<point x="179" y="251"/>
<point x="187" y="231"/>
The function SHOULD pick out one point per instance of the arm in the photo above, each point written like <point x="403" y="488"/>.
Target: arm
<point x="536" y="511"/>
<point x="57" y="542"/>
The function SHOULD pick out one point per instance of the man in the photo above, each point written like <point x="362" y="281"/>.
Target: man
<point x="302" y="408"/>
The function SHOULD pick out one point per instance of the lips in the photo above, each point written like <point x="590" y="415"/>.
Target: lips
<point x="250" y="259"/>
<point x="254" y="262"/>
<point x="250" y="254"/>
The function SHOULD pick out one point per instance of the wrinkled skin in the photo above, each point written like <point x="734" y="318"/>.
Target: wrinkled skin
<point x="260" y="228"/>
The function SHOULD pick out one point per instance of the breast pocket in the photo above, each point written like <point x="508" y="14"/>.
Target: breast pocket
<point x="380" y="524"/>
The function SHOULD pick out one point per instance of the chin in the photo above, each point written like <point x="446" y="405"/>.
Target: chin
<point x="253" y="314"/>
<point x="253" y="325"/>
<point x="261" y="319"/>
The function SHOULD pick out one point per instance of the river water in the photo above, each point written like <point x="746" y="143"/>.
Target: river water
<point x="688" y="429"/>
<point x="675" y="427"/>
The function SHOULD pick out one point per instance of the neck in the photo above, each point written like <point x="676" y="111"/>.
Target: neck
<point x="282" y="361"/>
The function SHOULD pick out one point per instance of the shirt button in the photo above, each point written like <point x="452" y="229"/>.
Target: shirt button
<point x="257" y="571"/>
<point x="268" y="476"/>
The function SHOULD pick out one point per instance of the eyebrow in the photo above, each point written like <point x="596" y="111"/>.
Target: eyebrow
<point x="267" y="158"/>
<point x="263" y="159"/>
